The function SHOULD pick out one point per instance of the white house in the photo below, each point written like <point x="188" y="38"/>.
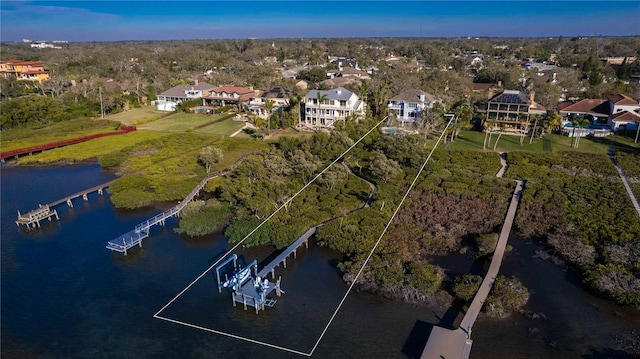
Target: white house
<point x="410" y="104"/>
<point x="168" y="100"/>
<point x="624" y="112"/>
<point x="278" y="95"/>
<point x="334" y="105"/>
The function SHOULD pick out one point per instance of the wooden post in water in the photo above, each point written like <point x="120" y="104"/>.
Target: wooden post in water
<point x="284" y="263"/>
<point x="69" y="203"/>
<point x="244" y="301"/>
<point x="85" y="197"/>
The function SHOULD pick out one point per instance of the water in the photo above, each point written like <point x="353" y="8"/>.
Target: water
<point x="65" y="296"/>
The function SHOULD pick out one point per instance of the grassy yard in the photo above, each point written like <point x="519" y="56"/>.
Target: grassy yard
<point x="90" y="149"/>
<point x="179" y="122"/>
<point x="473" y="140"/>
<point x="136" y="115"/>
<point x="223" y="128"/>
<point x="16" y="138"/>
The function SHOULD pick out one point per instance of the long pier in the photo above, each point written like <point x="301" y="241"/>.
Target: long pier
<point x="32" y="218"/>
<point x="141" y="231"/>
<point x="447" y="343"/>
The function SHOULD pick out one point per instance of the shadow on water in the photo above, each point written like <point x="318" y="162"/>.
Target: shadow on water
<point x="417" y="339"/>
<point x="608" y="353"/>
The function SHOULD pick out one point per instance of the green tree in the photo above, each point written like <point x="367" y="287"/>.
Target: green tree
<point x="382" y="167"/>
<point x="507" y="294"/>
<point x="423" y="277"/>
<point x="210" y="156"/>
<point x="466" y="286"/>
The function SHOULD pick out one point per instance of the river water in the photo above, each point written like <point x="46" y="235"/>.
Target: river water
<point x="64" y="295"/>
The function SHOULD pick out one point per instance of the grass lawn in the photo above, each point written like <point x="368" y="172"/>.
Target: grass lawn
<point x="15" y="138"/>
<point x="473" y="140"/>
<point x="223" y="128"/>
<point x="136" y="115"/>
<point x="179" y="122"/>
<point x="90" y="149"/>
<point x="290" y="132"/>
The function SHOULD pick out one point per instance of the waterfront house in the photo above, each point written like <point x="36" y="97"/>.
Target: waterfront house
<point x="169" y="99"/>
<point x="409" y="105"/>
<point x="513" y="110"/>
<point x="616" y="111"/>
<point x="323" y="108"/>
<point x="229" y="96"/>
<point x="278" y="95"/>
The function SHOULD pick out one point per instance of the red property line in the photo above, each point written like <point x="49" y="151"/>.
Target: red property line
<point x="48" y="146"/>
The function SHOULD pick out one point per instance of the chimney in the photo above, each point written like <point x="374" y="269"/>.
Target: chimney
<point x="421" y="97"/>
<point x="532" y="96"/>
<point x="499" y="84"/>
<point x="196" y="82"/>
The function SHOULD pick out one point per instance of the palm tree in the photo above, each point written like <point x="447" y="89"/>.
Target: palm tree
<point x="498" y="139"/>
<point x="492" y="123"/>
<point x="268" y="105"/>
<point x="320" y="97"/>
<point x="535" y="124"/>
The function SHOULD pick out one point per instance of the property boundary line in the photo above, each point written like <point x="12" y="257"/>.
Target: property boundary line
<point x="158" y="316"/>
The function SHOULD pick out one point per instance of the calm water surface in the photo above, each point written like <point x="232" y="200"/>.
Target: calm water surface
<point x="65" y="296"/>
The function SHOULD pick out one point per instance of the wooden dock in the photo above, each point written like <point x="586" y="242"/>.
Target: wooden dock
<point x="141" y="231"/>
<point x="255" y="289"/>
<point x="282" y="257"/>
<point x="32" y="218"/>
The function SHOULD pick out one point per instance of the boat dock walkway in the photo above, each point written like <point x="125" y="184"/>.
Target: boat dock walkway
<point x="456" y="343"/>
<point x="282" y="257"/>
<point x="141" y="231"/>
<point x="32" y="218"/>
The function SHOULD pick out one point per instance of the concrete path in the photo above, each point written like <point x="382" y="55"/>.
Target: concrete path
<point x="246" y="125"/>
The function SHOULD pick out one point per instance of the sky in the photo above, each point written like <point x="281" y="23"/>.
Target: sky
<point x="90" y="20"/>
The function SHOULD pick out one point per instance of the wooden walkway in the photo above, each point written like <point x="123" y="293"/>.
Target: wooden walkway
<point x="33" y="217"/>
<point x="141" y="231"/>
<point x="282" y="257"/>
<point x="456" y="343"/>
<point x="47" y="146"/>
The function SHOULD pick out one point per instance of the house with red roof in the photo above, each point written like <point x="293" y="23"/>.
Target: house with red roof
<point x="229" y="96"/>
<point x="617" y="111"/>
<point x="24" y="70"/>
